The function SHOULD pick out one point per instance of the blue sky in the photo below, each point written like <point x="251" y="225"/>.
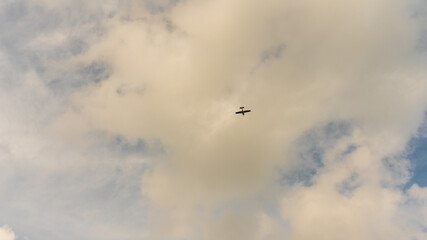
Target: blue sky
<point x="417" y="150"/>
<point x="118" y="120"/>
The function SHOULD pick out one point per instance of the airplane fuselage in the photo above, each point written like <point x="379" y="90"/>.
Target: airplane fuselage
<point x="243" y="111"/>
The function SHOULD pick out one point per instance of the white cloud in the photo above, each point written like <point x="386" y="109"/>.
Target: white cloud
<point x="51" y="185"/>
<point x="341" y="62"/>
<point x="6" y="233"/>
<point x="177" y="71"/>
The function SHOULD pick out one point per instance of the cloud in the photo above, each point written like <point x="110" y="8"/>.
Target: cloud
<point x="148" y="90"/>
<point x="53" y="184"/>
<point x="6" y="233"/>
<point x="188" y="68"/>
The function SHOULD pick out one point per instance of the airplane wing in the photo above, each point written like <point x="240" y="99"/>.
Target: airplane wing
<point x="247" y="111"/>
<point x="239" y="112"/>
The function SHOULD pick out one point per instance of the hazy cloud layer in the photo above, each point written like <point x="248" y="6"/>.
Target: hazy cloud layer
<point x="99" y="95"/>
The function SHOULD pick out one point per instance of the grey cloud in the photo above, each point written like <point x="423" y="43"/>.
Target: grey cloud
<point x="270" y="54"/>
<point x="20" y="24"/>
<point x="34" y="36"/>
<point x="159" y="6"/>
<point x="92" y="73"/>
<point x="77" y="46"/>
<point x="348" y="186"/>
<point x="273" y="53"/>
<point x="101" y="194"/>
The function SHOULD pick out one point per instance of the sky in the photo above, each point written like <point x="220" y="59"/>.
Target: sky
<point x="118" y="119"/>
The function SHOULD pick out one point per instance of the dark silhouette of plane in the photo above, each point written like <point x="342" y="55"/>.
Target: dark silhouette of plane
<point x="243" y="111"/>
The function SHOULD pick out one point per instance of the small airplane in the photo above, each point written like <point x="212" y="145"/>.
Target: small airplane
<point x="243" y="111"/>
